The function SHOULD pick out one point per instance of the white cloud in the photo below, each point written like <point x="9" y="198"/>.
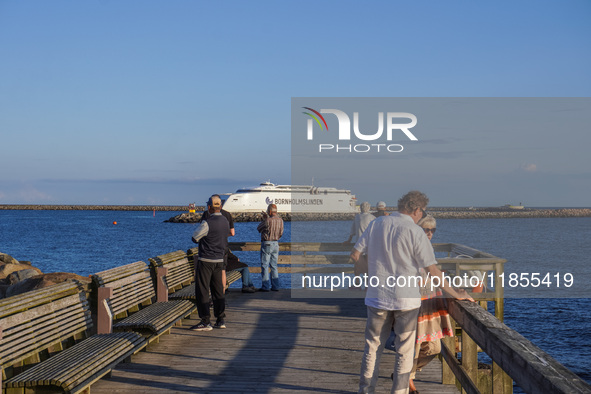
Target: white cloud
<point x="529" y="167"/>
<point x="30" y="194"/>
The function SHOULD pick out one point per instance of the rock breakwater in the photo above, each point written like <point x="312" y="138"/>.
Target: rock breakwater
<point x="438" y="213"/>
<point x="257" y="217"/>
<point x="93" y="207"/>
<point x="509" y="214"/>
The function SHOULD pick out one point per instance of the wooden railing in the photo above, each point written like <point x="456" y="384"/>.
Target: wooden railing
<point x="532" y="369"/>
<point x="513" y="356"/>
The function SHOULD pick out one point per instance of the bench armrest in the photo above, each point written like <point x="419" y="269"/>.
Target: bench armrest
<point x="104" y="324"/>
<point x="161" y="286"/>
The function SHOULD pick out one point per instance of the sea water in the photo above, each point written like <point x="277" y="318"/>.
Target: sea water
<point x="558" y="321"/>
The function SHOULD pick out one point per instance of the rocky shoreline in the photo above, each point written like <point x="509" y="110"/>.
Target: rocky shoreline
<point x="17" y="277"/>
<point x="438" y="213"/>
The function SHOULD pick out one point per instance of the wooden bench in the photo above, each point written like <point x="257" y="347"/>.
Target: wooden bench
<point x="45" y="344"/>
<point x="179" y="279"/>
<point x="126" y="296"/>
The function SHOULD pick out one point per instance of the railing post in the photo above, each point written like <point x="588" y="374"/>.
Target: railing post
<point x="104" y="324"/>
<point x="497" y="379"/>
<point x="469" y="357"/>
<point x="161" y="288"/>
<point x="447" y="376"/>
<point x="499" y="293"/>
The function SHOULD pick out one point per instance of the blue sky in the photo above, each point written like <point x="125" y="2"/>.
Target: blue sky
<point x="153" y="102"/>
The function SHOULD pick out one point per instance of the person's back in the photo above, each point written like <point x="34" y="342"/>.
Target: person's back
<point x="362" y="220"/>
<point x="394" y="245"/>
<point x="212" y="247"/>
<point x="212" y="237"/>
<point x="396" y="249"/>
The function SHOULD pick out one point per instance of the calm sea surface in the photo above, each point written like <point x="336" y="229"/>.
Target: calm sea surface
<point x="558" y="320"/>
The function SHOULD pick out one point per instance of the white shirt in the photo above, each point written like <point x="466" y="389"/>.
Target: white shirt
<point x="360" y="223"/>
<point x="396" y="248"/>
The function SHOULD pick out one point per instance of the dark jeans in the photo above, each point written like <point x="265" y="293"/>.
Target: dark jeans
<point x="208" y="276"/>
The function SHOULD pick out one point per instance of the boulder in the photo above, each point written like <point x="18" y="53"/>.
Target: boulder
<point x="3" y="289"/>
<point x="44" y="280"/>
<point x="7" y="259"/>
<point x="19" y="276"/>
<point x="8" y="268"/>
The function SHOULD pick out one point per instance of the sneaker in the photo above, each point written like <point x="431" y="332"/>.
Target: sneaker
<point x="220" y="323"/>
<point x="202" y="326"/>
<point x="275" y="289"/>
<point x="250" y="289"/>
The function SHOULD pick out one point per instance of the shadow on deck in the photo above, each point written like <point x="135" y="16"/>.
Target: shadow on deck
<point x="273" y="344"/>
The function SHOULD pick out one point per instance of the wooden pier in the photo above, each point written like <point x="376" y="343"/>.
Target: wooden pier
<point x="273" y="344"/>
<point x="132" y="324"/>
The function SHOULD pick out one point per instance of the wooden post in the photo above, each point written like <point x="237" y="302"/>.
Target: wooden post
<point x="499" y="293"/>
<point x="469" y="357"/>
<point x="447" y="376"/>
<point x="497" y="379"/>
<point x="104" y="324"/>
<point x="161" y="288"/>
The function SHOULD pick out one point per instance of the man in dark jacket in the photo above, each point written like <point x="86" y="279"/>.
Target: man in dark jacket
<point x="212" y="237"/>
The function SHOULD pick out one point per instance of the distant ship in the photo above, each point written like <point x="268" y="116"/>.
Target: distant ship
<point x="514" y="206"/>
<point x="291" y="198"/>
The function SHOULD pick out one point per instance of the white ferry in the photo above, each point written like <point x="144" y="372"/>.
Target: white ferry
<point x="520" y="206"/>
<point x="291" y="198"/>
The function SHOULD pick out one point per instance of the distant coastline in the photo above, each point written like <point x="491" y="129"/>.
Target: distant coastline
<point x="437" y="212"/>
<point x="56" y="207"/>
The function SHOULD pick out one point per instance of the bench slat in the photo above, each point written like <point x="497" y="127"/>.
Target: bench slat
<point x="119" y="272"/>
<point x="125" y="300"/>
<point x="34" y="313"/>
<point x="179" y="277"/>
<point x="186" y="293"/>
<point x="168" y="258"/>
<point x="71" y="367"/>
<point x="26" y="333"/>
<point x="158" y="316"/>
<point x="51" y="328"/>
<point x="129" y="280"/>
<point x="21" y="302"/>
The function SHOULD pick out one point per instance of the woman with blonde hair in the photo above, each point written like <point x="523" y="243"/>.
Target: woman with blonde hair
<point x="434" y="322"/>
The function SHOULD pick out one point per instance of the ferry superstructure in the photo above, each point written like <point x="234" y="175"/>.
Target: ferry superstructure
<point x="291" y="198"/>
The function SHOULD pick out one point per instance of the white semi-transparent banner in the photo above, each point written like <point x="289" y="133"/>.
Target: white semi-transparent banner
<point x="508" y="180"/>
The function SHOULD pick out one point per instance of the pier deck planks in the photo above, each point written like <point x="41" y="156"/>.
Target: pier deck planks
<point x="273" y="344"/>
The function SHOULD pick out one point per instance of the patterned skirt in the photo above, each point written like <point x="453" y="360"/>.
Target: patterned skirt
<point x="434" y="322"/>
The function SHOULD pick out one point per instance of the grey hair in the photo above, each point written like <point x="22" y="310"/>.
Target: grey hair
<point x="428" y="221"/>
<point x="412" y="201"/>
<point x="365" y="207"/>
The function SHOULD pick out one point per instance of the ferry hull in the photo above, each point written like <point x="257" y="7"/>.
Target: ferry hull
<point x="291" y="202"/>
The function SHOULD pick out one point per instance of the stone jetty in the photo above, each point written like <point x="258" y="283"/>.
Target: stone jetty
<point x="257" y="217"/>
<point x="93" y="207"/>
<point x="438" y="213"/>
